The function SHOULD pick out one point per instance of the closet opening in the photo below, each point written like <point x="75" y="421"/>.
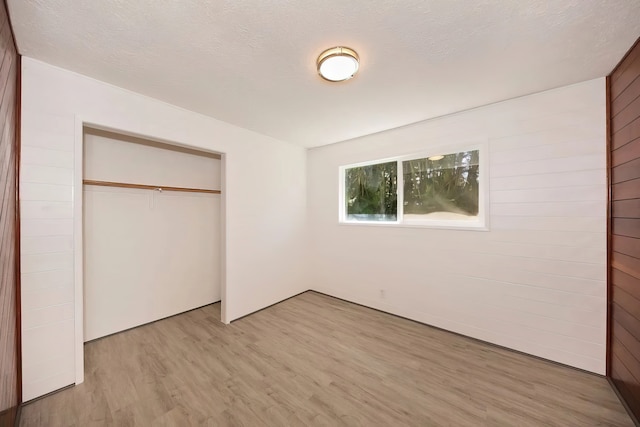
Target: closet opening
<point x="150" y="240"/>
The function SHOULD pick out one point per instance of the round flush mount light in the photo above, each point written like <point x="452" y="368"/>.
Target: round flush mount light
<point x="338" y="64"/>
<point x="434" y="158"/>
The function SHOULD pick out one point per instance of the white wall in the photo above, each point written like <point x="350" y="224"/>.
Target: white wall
<point x="536" y="281"/>
<point x="147" y="254"/>
<point x="265" y="208"/>
<point x="114" y="157"/>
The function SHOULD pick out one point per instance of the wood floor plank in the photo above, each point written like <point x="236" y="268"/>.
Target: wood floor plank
<point x="315" y="360"/>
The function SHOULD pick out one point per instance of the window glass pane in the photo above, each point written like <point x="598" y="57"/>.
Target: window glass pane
<point x="442" y="187"/>
<point x="371" y="192"/>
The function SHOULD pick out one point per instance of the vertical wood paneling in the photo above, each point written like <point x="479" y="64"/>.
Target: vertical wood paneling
<point x="9" y="340"/>
<point x="624" y="267"/>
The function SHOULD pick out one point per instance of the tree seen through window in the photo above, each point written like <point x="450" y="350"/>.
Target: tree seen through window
<point x="371" y="192"/>
<point x="442" y="186"/>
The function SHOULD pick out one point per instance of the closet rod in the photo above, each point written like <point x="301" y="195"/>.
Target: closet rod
<point x="147" y="187"/>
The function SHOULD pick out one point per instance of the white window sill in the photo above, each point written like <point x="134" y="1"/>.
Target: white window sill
<point x="440" y="226"/>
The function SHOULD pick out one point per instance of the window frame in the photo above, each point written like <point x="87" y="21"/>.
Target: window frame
<point x="480" y="224"/>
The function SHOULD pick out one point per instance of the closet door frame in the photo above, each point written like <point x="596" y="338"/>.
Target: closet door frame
<point x="82" y="122"/>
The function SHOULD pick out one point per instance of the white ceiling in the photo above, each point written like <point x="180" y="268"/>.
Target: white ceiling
<point x="252" y="62"/>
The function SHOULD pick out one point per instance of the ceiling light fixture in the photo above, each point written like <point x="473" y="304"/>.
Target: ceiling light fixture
<point x="434" y="158"/>
<point x="338" y="64"/>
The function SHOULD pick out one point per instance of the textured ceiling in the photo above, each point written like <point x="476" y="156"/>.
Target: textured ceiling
<point x="252" y="62"/>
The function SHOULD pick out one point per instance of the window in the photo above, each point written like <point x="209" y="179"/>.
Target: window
<point x="440" y="190"/>
<point x="371" y="192"/>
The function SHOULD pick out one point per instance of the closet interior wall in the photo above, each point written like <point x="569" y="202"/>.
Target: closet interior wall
<point x="149" y="252"/>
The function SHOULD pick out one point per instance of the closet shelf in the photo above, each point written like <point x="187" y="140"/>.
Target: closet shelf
<point x="148" y="187"/>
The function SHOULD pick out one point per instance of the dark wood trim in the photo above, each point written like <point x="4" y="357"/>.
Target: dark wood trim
<point x="609" y="214"/>
<point x="629" y="227"/>
<point x="623" y="280"/>
<point x="14" y="414"/>
<point x="626" y="55"/>
<point x="625" y="208"/>
<point x="623" y="230"/>
<point x="625" y="172"/>
<point x="624" y="402"/>
<point x="9" y="416"/>
<point x="10" y="122"/>
<point x="627" y="97"/>
<point x="18" y="147"/>
<point x="627" y="190"/>
<point x="18" y="414"/>
<point x="13" y="35"/>
<point x="630" y="342"/>
<point x="624" y="137"/>
<point x="147" y="187"/>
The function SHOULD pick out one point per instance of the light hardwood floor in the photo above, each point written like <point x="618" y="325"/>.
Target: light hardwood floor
<point x="316" y="360"/>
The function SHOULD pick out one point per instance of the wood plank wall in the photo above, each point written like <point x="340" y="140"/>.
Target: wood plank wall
<point x="624" y="125"/>
<point x="10" y="381"/>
